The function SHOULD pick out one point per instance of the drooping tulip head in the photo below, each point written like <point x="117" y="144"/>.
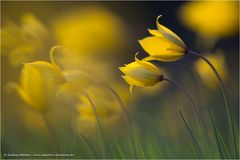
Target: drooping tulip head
<point x="163" y="45"/>
<point x="141" y="73"/>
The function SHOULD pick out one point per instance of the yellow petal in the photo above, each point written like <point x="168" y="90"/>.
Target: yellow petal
<point x="40" y="81"/>
<point x="132" y="81"/>
<point x="147" y="65"/>
<point x="141" y="73"/>
<point x="158" y="46"/>
<point x="155" y="32"/>
<point x="165" y="58"/>
<point x="169" y="34"/>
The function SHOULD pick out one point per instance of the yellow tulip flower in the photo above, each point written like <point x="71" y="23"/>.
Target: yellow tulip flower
<point x="141" y="73"/>
<point x="108" y="110"/>
<point x="163" y="45"/>
<point x="39" y="84"/>
<point x="205" y="72"/>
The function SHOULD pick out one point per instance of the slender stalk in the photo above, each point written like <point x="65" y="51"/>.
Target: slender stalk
<point x="119" y="100"/>
<point x="221" y="85"/>
<point x="51" y="133"/>
<point x="123" y="108"/>
<point x="82" y="136"/>
<point x="98" y="122"/>
<point x="193" y="106"/>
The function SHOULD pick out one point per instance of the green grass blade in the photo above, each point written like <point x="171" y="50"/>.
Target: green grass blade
<point x="90" y="146"/>
<point x="194" y="140"/>
<point x="222" y="149"/>
<point x="120" y="151"/>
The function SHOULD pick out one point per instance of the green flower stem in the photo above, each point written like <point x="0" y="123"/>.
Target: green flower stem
<point x="193" y="108"/>
<point x="224" y="97"/>
<point x="119" y="100"/>
<point x="98" y="122"/>
<point x="187" y="95"/>
<point x="123" y="108"/>
<point x="191" y="134"/>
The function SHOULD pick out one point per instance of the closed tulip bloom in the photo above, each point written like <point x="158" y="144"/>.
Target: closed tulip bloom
<point x="163" y="45"/>
<point x="141" y="73"/>
<point x="39" y="84"/>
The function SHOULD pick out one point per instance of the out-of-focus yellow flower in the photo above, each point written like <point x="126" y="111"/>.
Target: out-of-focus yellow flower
<point x="163" y="45"/>
<point x="76" y="80"/>
<point x="106" y="106"/>
<point x="141" y="74"/>
<point x="39" y="84"/>
<point x="211" y="18"/>
<point x="205" y="72"/>
<point x="90" y="30"/>
<point x="25" y="42"/>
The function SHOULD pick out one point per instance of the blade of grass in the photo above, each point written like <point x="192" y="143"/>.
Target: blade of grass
<point x="119" y="151"/>
<point x="194" y="140"/>
<point x="141" y="152"/>
<point x="222" y="149"/>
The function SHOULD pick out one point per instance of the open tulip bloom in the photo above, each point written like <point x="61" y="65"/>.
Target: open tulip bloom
<point x="164" y="45"/>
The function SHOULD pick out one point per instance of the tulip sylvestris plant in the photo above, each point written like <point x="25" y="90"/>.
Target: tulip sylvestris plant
<point x="164" y="45"/>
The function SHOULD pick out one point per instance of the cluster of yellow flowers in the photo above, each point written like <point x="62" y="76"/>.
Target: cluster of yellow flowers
<point x="163" y="45"/>
<point x="44" y="85"/>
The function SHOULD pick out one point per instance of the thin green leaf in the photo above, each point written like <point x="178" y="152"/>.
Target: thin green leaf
<point x="223" y="151"/>
<point x="194" y="140"/>
<point x="119" y="150"/>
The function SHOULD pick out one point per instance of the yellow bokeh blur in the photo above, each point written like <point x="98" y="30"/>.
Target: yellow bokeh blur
<point x="107" y="107"/>
<point x="212" y="19"/>
<point x="24" y="42"/>
<point x="91" y="30"/>
<point x="205" y="72"/>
